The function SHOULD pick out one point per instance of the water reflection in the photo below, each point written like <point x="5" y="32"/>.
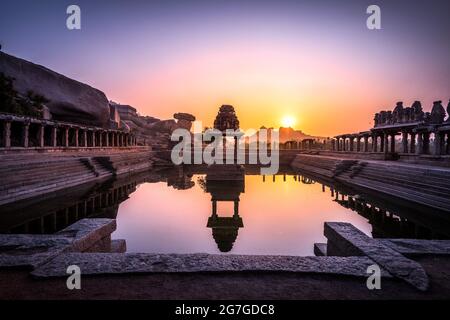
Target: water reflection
<point x="277" y="214"/>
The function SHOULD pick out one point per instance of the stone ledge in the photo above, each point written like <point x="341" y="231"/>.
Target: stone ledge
<point x="33" y="250"/>
<point x="417" y="247"/>
<point x="352" y="241"/>
<point x="116" y="263"/>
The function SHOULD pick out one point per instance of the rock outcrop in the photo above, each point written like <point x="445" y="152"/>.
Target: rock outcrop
<point x="150" y="130"/>
<point x="70" y="100"/>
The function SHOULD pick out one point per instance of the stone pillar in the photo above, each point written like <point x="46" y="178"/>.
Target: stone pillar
<point x="7" y="134"/>
<point x="236" y="208"/>
<point x="426" y="142"/>
<point x="382" y="136"/>
<point x="438" y="145"/>
<point x="76" y="137"/>
<point x="25" y="135"/>
<point x="85" y="138"/>
<point x="374" y="143"/>
<point x="100" y="138"/>
<point x="405" y="141"/>
<point x="393" y="142"/>
<point x="419" y="149"/>
<point x="120" y="140"/>
<point x="54" y="136"/>
<point x="41" y="131"/>
<point x="106" y="138"/>
<point x="358" y="144"/>
<point x="412" y="143"/>
<point x="214" y="208"/>
<point x="66" y="137"/>
<point x="333" y="145"/>
<point x="447" y="148"/>
<point x="385" y="145"/>
<point x="93" y="138"/>
<point x="366" y="143"/>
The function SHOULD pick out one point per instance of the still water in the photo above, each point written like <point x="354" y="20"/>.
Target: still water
<point x="281" y="217"/>
<point x="189" y="210"/>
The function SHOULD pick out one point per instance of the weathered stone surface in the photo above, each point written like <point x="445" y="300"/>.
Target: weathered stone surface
<point x="34" y="250"/>
<point x="118" y="246"/>
<point x="320" y="249"/>
<point x="70" y="100"/>
<point x="415" y="247"/>
<point x="184" y="116"/>
<point x="87" y="232"/>
<point x="354" y="241"/>
<point x="98" y="263"/>
<point x="31" y="250"/>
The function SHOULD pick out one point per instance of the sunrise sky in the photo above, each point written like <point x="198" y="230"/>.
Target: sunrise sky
<point x="314" y="61"/>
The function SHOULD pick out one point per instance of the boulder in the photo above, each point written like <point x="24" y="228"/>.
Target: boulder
<point x="70" y="100"/>
<point x="184" y="120"/>
<point x="184" y="116"/>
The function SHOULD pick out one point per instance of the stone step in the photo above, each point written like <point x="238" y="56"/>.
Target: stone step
<point x="35" y="166"/>
<point x="435" y="172"/>
<point x="15" y="188"/>
<point x="405" y="184"/>
<point x="423" y="184"/>
<point x="443" y="182"/>
<point x="314" y="170"/>
<point x="408" y="194"/>
<point x="44" y="187"/>
<point x="29" y="175"/>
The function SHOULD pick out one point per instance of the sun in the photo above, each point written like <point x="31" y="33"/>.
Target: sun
<point x="288" y="121"/>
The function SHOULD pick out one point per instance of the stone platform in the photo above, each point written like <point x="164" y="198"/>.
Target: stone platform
<point x="417" y="184"/>
<point x="88" y="244"/>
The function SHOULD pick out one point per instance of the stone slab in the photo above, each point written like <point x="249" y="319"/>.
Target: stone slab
<point x="416" y="247"/>
<point x="117" y="263"/>
<point x="320" y="249"/>
<point x="118" y="246"/>
<point x="28" y="250"/>
<point x="393" y="261"/>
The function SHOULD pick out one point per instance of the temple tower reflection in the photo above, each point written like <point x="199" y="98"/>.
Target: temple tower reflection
<point x="225" y="185"/>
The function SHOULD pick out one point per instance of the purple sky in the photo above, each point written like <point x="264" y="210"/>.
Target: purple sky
<point x="309" y="59"/>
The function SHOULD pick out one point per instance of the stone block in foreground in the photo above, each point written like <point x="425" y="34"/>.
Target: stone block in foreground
<point x="30" y="251"/>
<point x="350" y="241"/>
<point x="117" y="263"/>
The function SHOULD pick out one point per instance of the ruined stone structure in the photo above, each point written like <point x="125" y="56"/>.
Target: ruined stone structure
<point x="26" y="132"/>
<point x="226" y="119"/>
<point x="415" y="127"/>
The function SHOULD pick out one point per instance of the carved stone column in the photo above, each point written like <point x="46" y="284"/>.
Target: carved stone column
<point x="40" y="136"/>
<point x="366" y="143"/>
<point x="412" y="143"/>
<point x="374" y="143"/>
<point x="385" y="144"/>
<point x="76" y="137"/>
<point x="25" y="135"/>
<point x="85" y="138"/>
<point x="7" y="134"/>
<point x="66" y="137"/>
<point x="426" y="142"/>
<point x="393" y="142"/>
<point x="405" y="141"/>
<point x="419" y="149"/>
<point x="54" y="137"/>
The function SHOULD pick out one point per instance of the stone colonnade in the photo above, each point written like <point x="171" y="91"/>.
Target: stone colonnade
<point x="17" y="131"/>
<point x="414" y="140"/>
<point x="305" y="144"/>
<point x="58" y="219"/>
